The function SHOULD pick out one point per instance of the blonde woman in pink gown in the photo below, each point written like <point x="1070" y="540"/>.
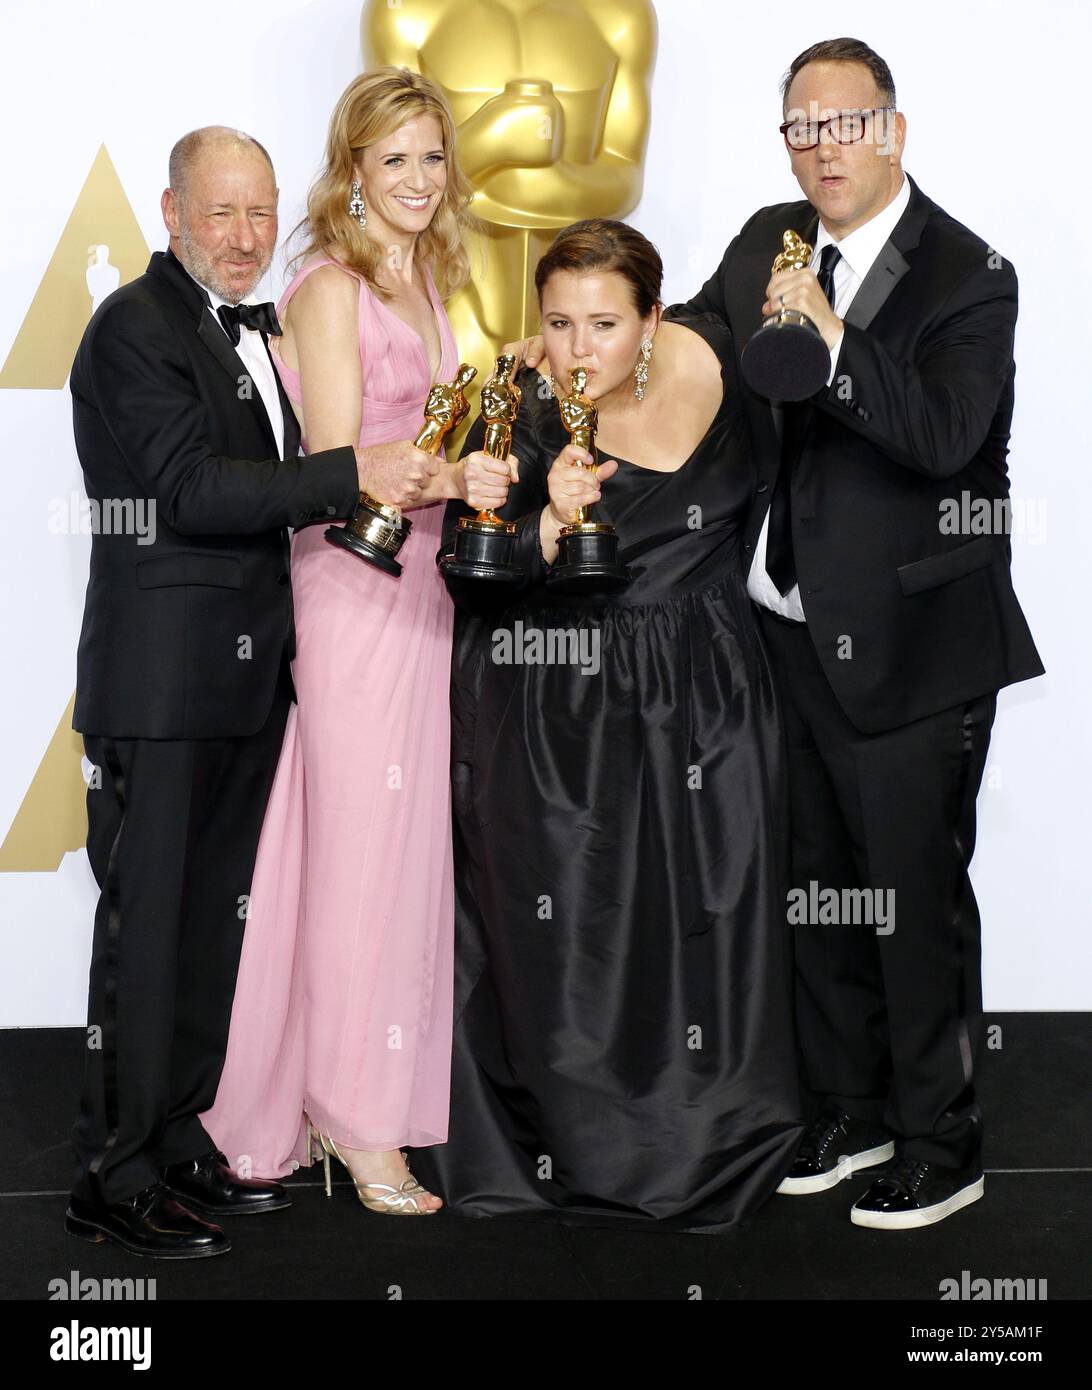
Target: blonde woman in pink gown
<point x="342" y="1012"/>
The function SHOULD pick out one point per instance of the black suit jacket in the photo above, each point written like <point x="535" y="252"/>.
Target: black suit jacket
<point x="184" y="637"/>
<point x="918" y="412"/>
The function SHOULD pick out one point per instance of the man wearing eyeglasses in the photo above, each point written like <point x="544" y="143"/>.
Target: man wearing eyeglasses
<point x="888" y="637"/>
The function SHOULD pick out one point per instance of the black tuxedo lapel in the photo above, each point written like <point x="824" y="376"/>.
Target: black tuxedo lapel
<point x="291" y="424"/>
<point x="217" y="342"/>
<point x="887" y="270"/>
<point x="891" y="264"/>
<point x="168" y="268"/>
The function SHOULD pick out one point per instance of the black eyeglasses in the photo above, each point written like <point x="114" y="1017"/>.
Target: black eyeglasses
<point x="846" y="127"/>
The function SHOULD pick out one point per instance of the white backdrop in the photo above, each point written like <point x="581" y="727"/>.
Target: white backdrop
<point x="996" y="135"/>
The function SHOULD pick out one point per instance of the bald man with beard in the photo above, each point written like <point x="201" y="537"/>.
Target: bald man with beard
<point x="184" y="685"/>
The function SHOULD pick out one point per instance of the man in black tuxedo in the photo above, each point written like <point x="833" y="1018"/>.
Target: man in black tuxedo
<point x="888" y="636"/>
<point x="183" y="683"/>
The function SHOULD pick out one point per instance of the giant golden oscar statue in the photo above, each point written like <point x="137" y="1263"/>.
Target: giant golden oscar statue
<point x="551" y="100"/>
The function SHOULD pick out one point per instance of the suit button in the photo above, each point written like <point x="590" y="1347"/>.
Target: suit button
<point x="282" y="578"/>
<point x="748" y="547"/>
<point x="762" y="487"/>
<point x="331" y="511"/>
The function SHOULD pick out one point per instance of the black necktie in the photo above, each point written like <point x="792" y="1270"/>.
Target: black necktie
<point x="828" y="259"/>
<point x="780" y="562"/>
<point x="262" y="316"/>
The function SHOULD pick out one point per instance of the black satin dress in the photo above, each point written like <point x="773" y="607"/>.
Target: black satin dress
<point x="623" y="1047"/>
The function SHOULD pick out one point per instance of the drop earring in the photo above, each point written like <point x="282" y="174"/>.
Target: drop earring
<point x="640" y="372"/>
<point x="356" y="205"/>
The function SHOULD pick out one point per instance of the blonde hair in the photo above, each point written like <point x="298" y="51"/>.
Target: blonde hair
<point x="373" y="106"/>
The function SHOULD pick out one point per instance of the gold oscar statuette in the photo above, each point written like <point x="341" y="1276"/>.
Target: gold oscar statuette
<point x="587" y="551"/>
<point x="484" y="543"/>
<point x="377" y="530"/>
<point x="787" y="360"/>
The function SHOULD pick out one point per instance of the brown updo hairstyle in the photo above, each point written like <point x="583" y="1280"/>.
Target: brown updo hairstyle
<point x="598" y="243"/>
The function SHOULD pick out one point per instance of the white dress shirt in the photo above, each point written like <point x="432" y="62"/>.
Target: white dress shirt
<point x="255" y="359"/>
<point x="859" y="251"/>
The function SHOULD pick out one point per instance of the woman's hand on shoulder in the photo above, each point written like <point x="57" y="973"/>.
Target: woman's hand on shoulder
<point x="528" y="352"/>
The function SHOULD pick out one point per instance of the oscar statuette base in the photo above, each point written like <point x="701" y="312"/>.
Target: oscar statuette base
<point x="375" y="533"/>
<point x="587" y="561"/>
<point x="786" y="360"/>
<point x="483" y="550"/>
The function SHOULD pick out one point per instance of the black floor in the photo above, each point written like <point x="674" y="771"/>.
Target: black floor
<point x="1035" y="1222"/>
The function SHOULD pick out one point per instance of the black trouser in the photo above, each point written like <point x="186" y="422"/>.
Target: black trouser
<point x="889" y="1022"/>
<point x="172" y="836"/>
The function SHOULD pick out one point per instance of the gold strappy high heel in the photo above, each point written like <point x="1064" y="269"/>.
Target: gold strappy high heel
<point x="397" y="1201"/>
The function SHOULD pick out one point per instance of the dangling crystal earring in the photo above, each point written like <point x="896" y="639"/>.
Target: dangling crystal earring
<point x="640" y="372"/>
<point x="356" y="205"/>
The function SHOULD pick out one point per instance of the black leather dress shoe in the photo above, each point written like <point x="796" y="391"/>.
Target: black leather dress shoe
<point x="916" y="1193"/>
<point x="209" y="1186"/>
<point x="834" y="1147"/>
<point x="151" y="1223"/>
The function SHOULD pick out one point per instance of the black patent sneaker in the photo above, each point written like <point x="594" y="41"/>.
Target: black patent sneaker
<point x="209" y="1186"/>
<point x="150" y="1223"/>
<point x="916" y="1193"/>
<point x="834" y="1147"/>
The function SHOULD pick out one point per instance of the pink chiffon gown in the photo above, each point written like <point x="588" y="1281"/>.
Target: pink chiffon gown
<point x="343" y="1002"/>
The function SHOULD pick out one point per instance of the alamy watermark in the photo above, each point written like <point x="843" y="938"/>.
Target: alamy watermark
<point x="551" y="646"/>
<point x="976" y="1290"/>
<point x="76" y="1343"/>
<point x="843" y="907"/>
<point x="91" y="1289"/>
<point x="994" y="516"/>
<point x="77" y="515"/>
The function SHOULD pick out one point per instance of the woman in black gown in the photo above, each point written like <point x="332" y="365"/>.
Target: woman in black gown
<point x="623" y="1047"/>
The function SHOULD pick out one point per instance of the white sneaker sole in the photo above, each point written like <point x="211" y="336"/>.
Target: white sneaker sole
<point x="927" y="1216"/>
<point x="847" y="1165"/>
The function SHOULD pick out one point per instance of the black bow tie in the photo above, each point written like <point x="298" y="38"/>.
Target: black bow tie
<point x="261" y="316"/>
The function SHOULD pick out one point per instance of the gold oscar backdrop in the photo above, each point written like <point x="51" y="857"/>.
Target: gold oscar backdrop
<point x="101" y="244"/>
<point x="100" y="248"/>
<point x="551" y="101"/>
